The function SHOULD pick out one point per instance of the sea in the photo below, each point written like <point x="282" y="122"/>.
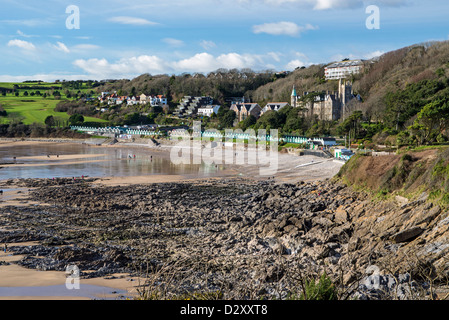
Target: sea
<point x="111" y="162"/>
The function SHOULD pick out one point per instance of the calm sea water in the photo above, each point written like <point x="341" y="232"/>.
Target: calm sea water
<point x="117" y="162"/>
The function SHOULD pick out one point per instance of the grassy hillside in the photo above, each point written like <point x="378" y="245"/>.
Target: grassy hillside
<point x="407" y="174"/>
<point x="392" y="72"/>
<point x="33" y="102"/>
<point x="33" y="110"/>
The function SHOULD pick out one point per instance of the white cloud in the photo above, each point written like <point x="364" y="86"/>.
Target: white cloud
<point x="44" y="77"/>
<point x="21" y="44"/>
<point x="22" y="34"/>
<point x="86" y="46"/>
<point x="336" y="4"/>
<point x="201" y="62"/>
<point x="61" y="47"/>
<point x="292" y="65"/>
<point x="282" y="28"/>
<point x="173" y="42"/>
<point x="275" y="56"/>
<point x="133" y="21"/>
<point x="101" y="68"/>
<point x="207" y="45"/>
<point x="374" y="54"/>
<point x="29" y="22"/>
<point x="333" y="4"/>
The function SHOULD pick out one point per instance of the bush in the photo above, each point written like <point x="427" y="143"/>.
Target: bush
<point x="324" y="289"/>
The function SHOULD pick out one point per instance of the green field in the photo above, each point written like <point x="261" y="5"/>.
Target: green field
<point x="35" y="109"/>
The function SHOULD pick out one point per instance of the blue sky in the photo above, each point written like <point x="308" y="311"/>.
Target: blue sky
<point x="123" y="39"/>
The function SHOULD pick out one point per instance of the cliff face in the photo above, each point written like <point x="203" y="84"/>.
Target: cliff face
<point x="404" y="222"/>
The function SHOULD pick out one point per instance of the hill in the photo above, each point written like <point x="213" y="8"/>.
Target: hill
<point x="408" y="174"/>
<point x="393" y="89"/>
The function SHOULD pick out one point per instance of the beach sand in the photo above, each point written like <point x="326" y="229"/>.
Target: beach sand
<point x="291" y="169"/>
<point x="15" y="276"/>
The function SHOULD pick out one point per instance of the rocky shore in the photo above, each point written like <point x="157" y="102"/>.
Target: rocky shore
<point x="233" y="238"/>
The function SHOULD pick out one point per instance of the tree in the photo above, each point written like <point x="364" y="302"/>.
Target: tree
<point x="352" y="125"/>
<point x="271" y="120"/>
<point x="49" y="121"/>
<point x="226" y="118"/>
<point x="248" y="122"/>
<point x="2" y="112"/>
<point x="431" y="121"/>
<point x="76" y="119"/>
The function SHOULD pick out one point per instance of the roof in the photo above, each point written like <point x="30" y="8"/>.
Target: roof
<point x="248" y="106"/>
<point x="349" y="63"/>
<point x="275" y="105"/>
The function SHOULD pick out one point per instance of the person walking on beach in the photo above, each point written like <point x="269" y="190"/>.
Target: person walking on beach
<point x="6" y="247"/>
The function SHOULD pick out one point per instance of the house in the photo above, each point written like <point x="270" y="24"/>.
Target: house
<point x="274" y="106"/>
<point x="326" y="143"/>
<point x="132" y="101"/>
<point x="159" y="100"/>
<point x="343" y="69"/>
<point x="244" y="110"/>
<point x="143" y="98"/>
<point x="208" y="110"/>
<point x="121" y="99"/>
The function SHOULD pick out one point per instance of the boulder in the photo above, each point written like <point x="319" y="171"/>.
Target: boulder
<point x="407" y="234"/>
<point x="341" y="215"/>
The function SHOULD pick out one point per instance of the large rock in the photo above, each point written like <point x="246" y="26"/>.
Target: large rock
<point x="341" y="215"/>
<point x="407" y="235"/>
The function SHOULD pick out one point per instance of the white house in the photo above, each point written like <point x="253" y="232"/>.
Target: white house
<point x="324" y="142"/>
<point x="159" y="100"/>
<point x="133" y="101"/>
<point x="343" y="69"/>
<point x="208" y="110"/>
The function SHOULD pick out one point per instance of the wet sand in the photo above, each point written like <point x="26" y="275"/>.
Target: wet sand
<point x="15" y="276"/>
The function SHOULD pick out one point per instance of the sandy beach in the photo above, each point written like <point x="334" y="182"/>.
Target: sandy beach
<point x="291" y="168"/>
<point x="15" y="276"/>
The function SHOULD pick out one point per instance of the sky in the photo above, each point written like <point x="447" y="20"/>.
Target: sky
<point x="116" y="39"/>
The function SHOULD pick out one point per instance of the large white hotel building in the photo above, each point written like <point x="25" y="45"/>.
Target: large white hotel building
<point x="343" y="69"/>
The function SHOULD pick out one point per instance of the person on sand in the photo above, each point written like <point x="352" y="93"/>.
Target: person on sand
<point x="6" y="247"/>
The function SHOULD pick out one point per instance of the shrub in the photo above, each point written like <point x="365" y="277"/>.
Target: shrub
<point x="323" y="289"/>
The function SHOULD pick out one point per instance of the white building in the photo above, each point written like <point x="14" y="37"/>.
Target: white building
<point x="343" y="69"/>
<point x="158" y="100"/>
<point x="208" y="110"/>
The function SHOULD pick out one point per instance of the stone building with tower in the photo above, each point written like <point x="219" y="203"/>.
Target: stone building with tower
<point x="326" y="105"/>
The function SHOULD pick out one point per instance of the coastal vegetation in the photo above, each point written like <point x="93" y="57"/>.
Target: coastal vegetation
<point x="403" y="100"/>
